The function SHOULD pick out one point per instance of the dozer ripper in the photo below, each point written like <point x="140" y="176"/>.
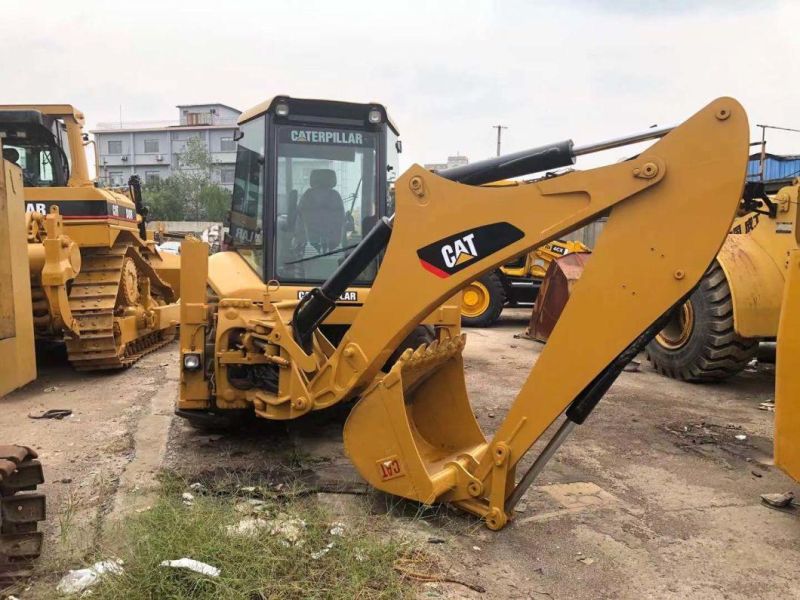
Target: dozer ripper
<point x="94" y="279"/>
<point x="21" y="507"/>
<point x="412" y="432"/>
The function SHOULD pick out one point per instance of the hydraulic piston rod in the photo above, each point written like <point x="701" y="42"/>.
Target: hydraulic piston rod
<point x="543" y="158"/>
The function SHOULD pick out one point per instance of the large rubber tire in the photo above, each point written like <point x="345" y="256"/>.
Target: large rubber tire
<point x="482" y="301"/>
<point x="421" y="334"/>
<point x="700" y="343"/>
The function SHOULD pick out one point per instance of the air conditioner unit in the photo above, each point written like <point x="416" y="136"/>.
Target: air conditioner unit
<point x="124" y="158"/>
<point x="159" y="157"/>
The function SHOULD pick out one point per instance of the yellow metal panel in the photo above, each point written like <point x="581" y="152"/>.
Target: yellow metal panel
<point x="756" y="284"/>
<point x="18" y="365"/>
<point x="787" y="376"/>
<point x="194" y="392"/>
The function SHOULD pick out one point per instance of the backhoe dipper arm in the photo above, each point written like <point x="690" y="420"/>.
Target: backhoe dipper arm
<point x="413" y="433"/>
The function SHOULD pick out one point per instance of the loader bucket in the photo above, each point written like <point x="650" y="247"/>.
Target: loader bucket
<point x="406" y="426"/>
<point x="554" y="293"/>
<point x="787" y="375"/>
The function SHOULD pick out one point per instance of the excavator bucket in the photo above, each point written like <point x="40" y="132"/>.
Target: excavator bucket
<point x="561" y="275"/>
<point x="412" y="439"/>
<point x="787" y="372"/>
<point x="413" y="432"/>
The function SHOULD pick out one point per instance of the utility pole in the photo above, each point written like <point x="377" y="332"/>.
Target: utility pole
<point x="763" y="160"/>
<point x="499" y="135"/>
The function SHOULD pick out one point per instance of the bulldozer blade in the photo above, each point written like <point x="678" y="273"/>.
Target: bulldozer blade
<point x="402" y="432"/>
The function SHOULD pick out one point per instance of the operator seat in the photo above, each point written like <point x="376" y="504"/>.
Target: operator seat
<point x="321" y="211"/>
<point x="11" y="155"/>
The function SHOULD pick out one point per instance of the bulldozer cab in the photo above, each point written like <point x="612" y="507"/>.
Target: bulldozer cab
<point x="312" y="178"/>
<point x="37" y="144"/>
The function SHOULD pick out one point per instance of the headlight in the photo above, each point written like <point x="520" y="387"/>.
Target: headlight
<point x="374" y="116"/>
<point x="191" y="362"/>
<point x="282" y="109"/>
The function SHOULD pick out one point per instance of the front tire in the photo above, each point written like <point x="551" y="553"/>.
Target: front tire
<point x="482" y="301"/>
<point x="700" y="344"/>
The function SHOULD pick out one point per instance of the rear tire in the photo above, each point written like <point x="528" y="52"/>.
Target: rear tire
<point x="482" y="301"/>
<point x="700" y="344"/>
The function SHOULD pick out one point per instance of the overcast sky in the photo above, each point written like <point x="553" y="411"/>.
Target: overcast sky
<point x="447" y="71"/>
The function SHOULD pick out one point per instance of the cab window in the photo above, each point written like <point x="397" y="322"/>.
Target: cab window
<point x="326" y="199"/>
<point x="246" y="219"/>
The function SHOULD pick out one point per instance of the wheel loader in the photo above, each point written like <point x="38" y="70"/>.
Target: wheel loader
<point x="514" y="284"/>
<point x="716" y="333"/>
<point x="21" y="507"/>
<point x="412" y="432"/>
<point x="96" y="278"/>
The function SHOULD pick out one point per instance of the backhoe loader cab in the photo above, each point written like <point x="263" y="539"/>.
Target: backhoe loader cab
<point x="312" y="178"/>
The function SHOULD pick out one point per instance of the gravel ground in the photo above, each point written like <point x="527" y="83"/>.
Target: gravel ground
<point x="654" y="497"/>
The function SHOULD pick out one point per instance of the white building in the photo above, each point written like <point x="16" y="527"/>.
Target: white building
<point x="458" y="160"/>
<point x="151" y="149"/>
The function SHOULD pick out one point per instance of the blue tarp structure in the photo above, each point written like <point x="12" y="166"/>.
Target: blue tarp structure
<point x="776" y="167"/>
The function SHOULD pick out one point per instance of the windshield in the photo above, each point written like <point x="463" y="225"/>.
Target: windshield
<point x="326" y="199"/>
<point x="246" y="227"/>
<point x="41" y="161"/>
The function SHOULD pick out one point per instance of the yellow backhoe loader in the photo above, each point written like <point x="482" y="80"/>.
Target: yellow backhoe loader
<point x="738" y="303"/>
<point x="514" y="284"/>
<point x="95" y="281"/>
<point x="332" y="165"/>
<point x="412" y="432"/>
<point x="21" y="507"/>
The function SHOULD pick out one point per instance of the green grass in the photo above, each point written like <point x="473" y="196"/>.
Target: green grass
<point x="359" y="565"/>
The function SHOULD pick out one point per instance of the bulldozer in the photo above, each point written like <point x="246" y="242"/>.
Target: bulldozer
<point x="21" y="507"/>
<point x="716" y="333"/>
<point x="514" y="284"/>
<point x="411" y="431"/>
<point x="96" y="278"/>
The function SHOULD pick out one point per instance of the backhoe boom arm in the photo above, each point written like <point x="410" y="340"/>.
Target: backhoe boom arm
<point x="413" y="433"/>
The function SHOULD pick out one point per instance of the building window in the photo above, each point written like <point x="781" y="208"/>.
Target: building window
<point x="227" y="176"/>
<point x="151" y="146"/>
<point x="198" y="118"/>
<point x="115" y="147"/>
<point x="227" y="144"/>
<point x="116" y="178"/>
<point x="152" y="177"/>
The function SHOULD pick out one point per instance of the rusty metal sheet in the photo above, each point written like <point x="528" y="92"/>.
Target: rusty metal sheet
<point x="554" y="293"/>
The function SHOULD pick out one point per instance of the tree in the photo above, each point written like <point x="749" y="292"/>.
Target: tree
<point x="189" y="194"/>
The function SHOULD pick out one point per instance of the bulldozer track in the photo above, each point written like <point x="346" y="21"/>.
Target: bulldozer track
<point x="21" y="509"/>
<point x="94" y="300"/>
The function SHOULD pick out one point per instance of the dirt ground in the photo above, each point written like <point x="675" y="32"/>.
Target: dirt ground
<point x="654" y="497"/>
